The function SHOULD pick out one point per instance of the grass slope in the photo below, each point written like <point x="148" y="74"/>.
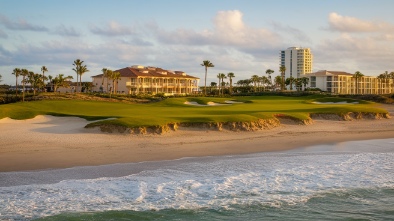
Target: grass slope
<point x="174" y="110"/>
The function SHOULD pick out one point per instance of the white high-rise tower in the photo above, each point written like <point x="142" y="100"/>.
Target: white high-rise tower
<point x="298" y="61"/>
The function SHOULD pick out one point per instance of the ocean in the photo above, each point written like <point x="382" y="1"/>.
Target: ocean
<point x="344" y="181"/>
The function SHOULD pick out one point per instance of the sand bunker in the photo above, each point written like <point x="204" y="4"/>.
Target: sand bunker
<point x="341" y="102"/>
<point x="211" y="103"/>
<point x="208" y="104"/>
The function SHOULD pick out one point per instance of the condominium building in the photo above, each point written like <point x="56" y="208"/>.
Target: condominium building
<point x="339" y="82"/>
<point x="139" y="79"/>
<point x="298" y="61"/>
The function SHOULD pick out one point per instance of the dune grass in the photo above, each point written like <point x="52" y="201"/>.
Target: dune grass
<point x="173" y="110"/>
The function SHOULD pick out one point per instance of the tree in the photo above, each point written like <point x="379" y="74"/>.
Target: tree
<point x="87" y="86"/>
<point x="16" y="72"/>
<point x="269" y="72"/>
<point x="24" y="73"/>
<point x="255" y="79"/>
<point x="218" y="76"/>
<point x="357" y="75"/>
<point x="79" y="69"/>
<point x="264" y="81"/>
<point x="231" y="75"/>
<point x="108" y="76"/>
<point x="44" y="69"/>
<point x="290" y="81"/>
<point x="61" y="81"/>
<point x="50" y="82"/>
<point x="222" y="77"/>
<point x="207" y="64"/>
<point x="282" y="70"/>
<point x="304" y="81"/>
<point x="278" y="82"/>
<point x="35" y="81"/>
<point x="104" y="70"/>
<point x="1" y="78"/>
<point x="115" y="78"/>
<point x="213" y="84"/>
<point x="83" y="70"/>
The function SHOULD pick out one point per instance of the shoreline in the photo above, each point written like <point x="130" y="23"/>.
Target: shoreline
<point x="48" y="142"/>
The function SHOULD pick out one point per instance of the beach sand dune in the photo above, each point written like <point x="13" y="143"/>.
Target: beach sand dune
<point x="47" y="142"/>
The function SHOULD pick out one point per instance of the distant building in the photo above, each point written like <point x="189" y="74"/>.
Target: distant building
<point x="298" y="61"/>
<point x="139" y="79"/>
<point x="339" y="82"/>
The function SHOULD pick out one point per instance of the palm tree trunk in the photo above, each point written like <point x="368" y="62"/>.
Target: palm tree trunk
<point x="16" y="87"/>
<point x="205" y="83"/>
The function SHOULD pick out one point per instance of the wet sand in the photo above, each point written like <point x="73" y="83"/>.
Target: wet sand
<point x="48" y="142"/>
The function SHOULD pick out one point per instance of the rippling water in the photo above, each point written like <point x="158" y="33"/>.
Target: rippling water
<point x="353" y="180"/>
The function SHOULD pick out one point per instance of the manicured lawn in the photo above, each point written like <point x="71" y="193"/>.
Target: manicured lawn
<point x="173" y="110"/>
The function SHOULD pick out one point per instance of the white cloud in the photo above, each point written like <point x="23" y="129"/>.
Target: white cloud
<point x="350" y="24"/>
<point x="21" y="24"/>
<point x="3" y="34"/>
<point x="112" y="29"/>
<point x="66" y="31"/>
<point x="229" y="29"/>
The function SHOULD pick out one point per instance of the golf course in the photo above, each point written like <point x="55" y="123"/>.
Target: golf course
<point x="204" y="110"/>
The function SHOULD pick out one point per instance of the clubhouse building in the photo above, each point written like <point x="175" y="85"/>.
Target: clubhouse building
<point x="338" y="82"/>
<point x="139" y="79"/>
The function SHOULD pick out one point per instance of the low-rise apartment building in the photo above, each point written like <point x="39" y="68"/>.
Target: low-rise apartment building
<point x="339" y="82"/>
<point x="139" y="79"/>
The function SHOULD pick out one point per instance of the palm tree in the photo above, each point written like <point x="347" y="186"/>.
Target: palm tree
<point x="222" y="77"/>
<point x="207" y="64"/>
<point x="104" y="70"/>
<point x="357" y="75"/>
<point x="50" y="81"/>
<point x="255" y="79"/>
<point x="213" y="84"/>
<point x="82" y="71"/>
<point x="24" y="73"/>
<point x="218" y="76"/>
<point x="43" y="69"/>
<point x="265" y="81"/>
<point x="231" y="75"/>
<point x="61" y="81"/>
<point x="77" y="67"/>
<point x="278" y="82"/>
<point x="16" y="72"/>
<point x="304" y="81"/>
<point x="36" y="81"/>
<point x="115" y="79"/>
<point x="290" y="81"/>
<point x="108" y="76"/>
<point x="282" y="70"/>
<point x="269" y="72"/>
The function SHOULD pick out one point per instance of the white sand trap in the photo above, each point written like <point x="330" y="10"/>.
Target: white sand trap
<point x="194" y="103"/>
<point x="233" y="102"/>
<point x="215" y="104"/>
<point x="341" y="102"/>
<point x="208" y="104"/>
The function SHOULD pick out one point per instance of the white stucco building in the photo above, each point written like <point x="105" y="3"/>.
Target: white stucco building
<point x="339" y="82"/>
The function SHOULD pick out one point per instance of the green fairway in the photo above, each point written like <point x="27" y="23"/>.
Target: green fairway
<point x="173" y="110"/>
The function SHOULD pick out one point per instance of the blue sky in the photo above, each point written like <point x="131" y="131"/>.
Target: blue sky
<point x="243" y="37"/>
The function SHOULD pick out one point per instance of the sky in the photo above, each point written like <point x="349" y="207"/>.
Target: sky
<point x="239" y="36"/>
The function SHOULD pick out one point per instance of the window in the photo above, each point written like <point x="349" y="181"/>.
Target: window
<point x="329" y="78"/>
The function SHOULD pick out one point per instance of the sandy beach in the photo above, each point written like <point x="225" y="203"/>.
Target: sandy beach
<point x="48" y="142"/>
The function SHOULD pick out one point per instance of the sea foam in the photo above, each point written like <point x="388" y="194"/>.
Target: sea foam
<point x="272" y="179"/>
